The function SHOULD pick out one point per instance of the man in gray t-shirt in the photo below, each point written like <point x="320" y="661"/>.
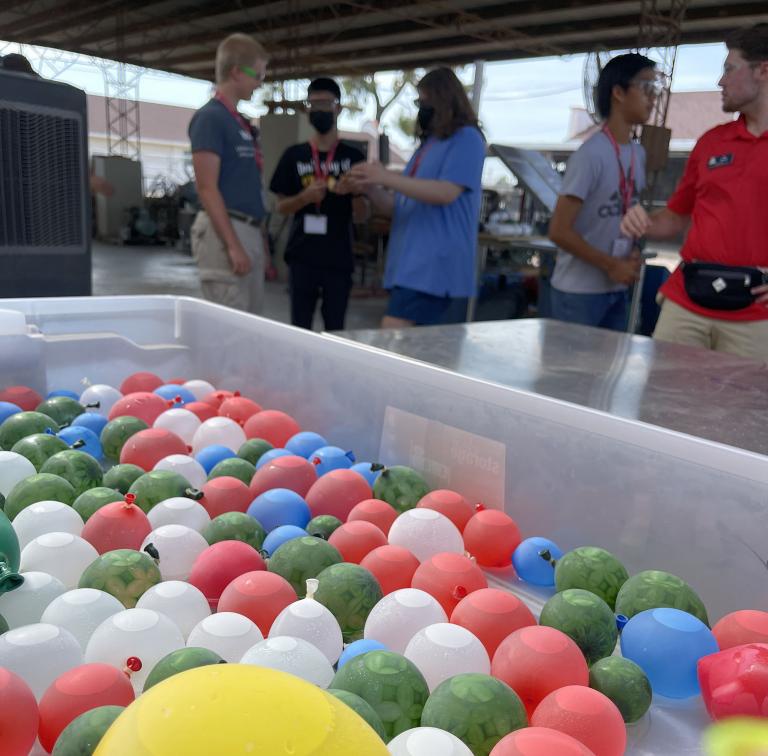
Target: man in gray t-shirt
<point x="595" y="264"/>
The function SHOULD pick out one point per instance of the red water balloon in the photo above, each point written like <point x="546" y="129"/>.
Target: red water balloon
<point x="491" y="536"/>
<point x="226" y="494"/>
<point x="356" y="539"/>
<point x="294" y="473"/>
<point x="147" y="447"/>
<point x="18" y="714"/>
<point x="337" y="492"/>
<point x="534" y="661"/>
<point x="141" y="382"/>
<point x="392" y="566"/>
<point x="260" y="596"/>
<point x="738" y="628"/>
<point x="220" y="564"/>
<point x="77" y="691"/>
<point x="449" y="578"/>
<point x="273" y="426"/>
<point x="492" y="615"/>
<point x="216" y="398"/>
<point x="734" y="682"/>
<point x="22" y="396"/>
<point x="449" y="503"/>
<point x="238" y="408"/>
<point x="375" y="511"/>
<point x="119" y="525"/>
<point x="539" y="741"/>
<point x="202" y="410"/>
<point x="145" y="405"/>
<point x="587" y="715"/>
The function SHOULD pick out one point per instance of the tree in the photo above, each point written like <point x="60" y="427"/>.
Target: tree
<point x="361" y="88"/>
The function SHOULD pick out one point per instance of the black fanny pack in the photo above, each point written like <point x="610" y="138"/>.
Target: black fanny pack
<point x="721" y="287"/>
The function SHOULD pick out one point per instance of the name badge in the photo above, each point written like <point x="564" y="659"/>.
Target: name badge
<point x="720" y="161"/>
<point x="622" y="247"/>
<point x="316" y="224"/>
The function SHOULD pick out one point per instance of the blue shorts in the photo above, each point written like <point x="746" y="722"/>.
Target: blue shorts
<point x="609" y="310"/>
<point x="426" y="309"/>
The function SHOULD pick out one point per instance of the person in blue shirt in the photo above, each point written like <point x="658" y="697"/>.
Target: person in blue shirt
<point x="435" y="209"/>
<point x="228" y="238"/>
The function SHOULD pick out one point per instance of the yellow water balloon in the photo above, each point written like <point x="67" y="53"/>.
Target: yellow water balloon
<point x="739" y="736"/>
<point x="239" y="709"/>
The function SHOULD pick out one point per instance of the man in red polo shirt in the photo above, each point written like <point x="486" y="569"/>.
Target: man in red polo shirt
<point x="717" y="299"/>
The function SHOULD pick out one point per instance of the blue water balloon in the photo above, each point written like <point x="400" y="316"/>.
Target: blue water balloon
<point x="83" y="439"/>
<point x="176" y="394"/>
<point x="366" y="469"/>
<point x="267" y="457"/>
<point x="304" y="443"/>
<point x="533" y="560"/>
<point x="210" y="456"/>
<point x="362" y="646"/>
<point x="7" y="409"/>
<point x="281" y="535"/>
<point x="280" y="506"/>
<point x="63" y="392"/>
<point x="667" y="644"/>
<point x="91" y="420"/>
<point x="328" y="458"/>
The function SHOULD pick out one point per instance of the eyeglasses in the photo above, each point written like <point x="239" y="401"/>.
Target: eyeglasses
<point x="324" y="106"/>
<point x="253" y="73"/>
<point x="650" y="87"/>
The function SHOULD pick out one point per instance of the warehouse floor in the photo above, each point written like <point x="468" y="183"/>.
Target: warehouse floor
<point x="164" y="270"/>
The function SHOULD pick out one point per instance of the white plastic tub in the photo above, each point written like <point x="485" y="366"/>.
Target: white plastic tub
<point x="656" y="498"/>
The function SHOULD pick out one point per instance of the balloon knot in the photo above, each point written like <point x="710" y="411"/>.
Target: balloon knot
<point x="459" y="592"/>
<point x="479" y="507"/>
<point x="316" y="461"/>
<point x="152" y="551"/>
<point x="236" y="393"/>
<point x="130" y="499"/>
<point x="133" y="664"/>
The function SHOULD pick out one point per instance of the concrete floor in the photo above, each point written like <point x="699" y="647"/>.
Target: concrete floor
<point x="164" y="270"/>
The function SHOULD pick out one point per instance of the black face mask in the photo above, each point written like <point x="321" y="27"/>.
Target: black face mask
<point x="322" y="121"/>
<point x="424" y="117"/>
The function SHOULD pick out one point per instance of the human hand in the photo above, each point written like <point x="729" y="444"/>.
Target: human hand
<point x="762" y="294"/>
<point x="314" y="194"/>
<point x="636" y="222"/>
<point x="347" y="185"/>
<point x="239" y="260"/>
<point x="625" y="270"/>
<point x="369" y="174"/>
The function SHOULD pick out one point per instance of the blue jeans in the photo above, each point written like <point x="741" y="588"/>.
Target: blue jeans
<point x="609" y="310"/>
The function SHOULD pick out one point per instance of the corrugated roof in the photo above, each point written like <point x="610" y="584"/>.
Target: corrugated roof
<point x="307" y="37"/>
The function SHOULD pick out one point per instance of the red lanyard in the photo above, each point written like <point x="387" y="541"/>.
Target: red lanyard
<point x="257" y="154"/>
<point x="419" y="156"/>
<point x="324" y="170"/>
<point x="626" y="181"/>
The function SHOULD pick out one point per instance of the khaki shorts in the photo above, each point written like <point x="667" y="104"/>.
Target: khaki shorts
<point x="681" y="326"/>
<point x="218" y="282"/>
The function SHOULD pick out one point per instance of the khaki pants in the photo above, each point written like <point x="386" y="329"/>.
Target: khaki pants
<point x="218" y="282"/>
<point x="747" y="338"/>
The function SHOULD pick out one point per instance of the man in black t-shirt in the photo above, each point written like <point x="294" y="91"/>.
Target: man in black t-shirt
<point x="311" y="184"/>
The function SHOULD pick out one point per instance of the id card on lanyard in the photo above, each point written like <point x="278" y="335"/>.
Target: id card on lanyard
<point x="257" y="155"/>
<point x="315" y="223"/>
<point x="622" y="247"/>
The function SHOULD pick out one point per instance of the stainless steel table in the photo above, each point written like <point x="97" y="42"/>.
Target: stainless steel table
<point x="706" y="394"/>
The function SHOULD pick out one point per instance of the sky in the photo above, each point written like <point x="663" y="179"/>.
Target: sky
<point x="523" y="102"/>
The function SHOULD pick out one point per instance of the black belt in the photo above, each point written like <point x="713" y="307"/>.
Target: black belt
<point x="244" y="218"/>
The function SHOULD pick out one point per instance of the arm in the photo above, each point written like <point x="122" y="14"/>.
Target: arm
<point x="659" y="225"/>
<point x="383" y="201"/>
<point x="361" y="209"/>
<point x="429" y="191"/>
<point x="563" y="234"/>
<point x="312" y="194"/>
<point x="207" y="165"/>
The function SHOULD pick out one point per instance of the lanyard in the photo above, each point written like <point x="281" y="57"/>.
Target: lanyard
<point x="322" y="171"/>
<point x="626" y="181"/>
<point x="257" y="154"/>
<point x="419" y="156"/>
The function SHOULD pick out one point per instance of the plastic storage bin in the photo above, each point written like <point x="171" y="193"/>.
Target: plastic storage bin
<point x="657" y="498"/>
